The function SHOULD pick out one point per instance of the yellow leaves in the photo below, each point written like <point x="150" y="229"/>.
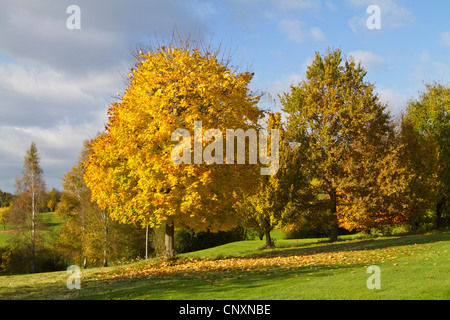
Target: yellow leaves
<point x="237" y="267"/>
<point x="130" y="168"/>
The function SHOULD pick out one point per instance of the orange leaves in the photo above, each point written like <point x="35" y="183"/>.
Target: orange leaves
<point x="236" y="267"/>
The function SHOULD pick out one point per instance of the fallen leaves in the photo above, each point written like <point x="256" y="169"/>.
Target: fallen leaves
<point x="326" y="259"/>
<point x="271" y="265"/>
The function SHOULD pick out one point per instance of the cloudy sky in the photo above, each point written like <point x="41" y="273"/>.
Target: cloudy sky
<point x="56" y="83"/>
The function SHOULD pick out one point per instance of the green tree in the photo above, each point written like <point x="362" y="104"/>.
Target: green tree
<point x="4" y="214"/>
<point x="30" y="190"/>
<point x="429" y="118"/>
<point x="420" y="158"/>
<point x="337" y="121"/>
<point x="272" y="203"/>
<point x="5" y="199"/>
<point x="54" y="196"/>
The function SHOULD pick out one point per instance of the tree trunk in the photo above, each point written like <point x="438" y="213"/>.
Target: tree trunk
<point x="169" y="240"/>
<point x="413" y="225"/>
<point x="440" y="223"/>
<point x="269" y="243"/>
<point x="33" y="224"/>
<point x="146" y="242"/>
<point x="105" y="238"/>
<point x="334" y="220"/>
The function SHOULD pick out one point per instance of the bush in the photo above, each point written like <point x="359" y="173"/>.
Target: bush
<point x="188" y="241"/>
<point x="17" y="260"/>
<point x="14" y="260"/>
<point x="49" y="259"/>
<point x="304" y="231"/>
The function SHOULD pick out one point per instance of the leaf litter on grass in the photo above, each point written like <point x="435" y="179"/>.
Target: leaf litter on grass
<point x="196" y="268"/>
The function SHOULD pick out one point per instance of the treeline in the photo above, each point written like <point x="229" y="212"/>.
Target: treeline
<point x="343" y="162"/>
<point x="87" y="235"/>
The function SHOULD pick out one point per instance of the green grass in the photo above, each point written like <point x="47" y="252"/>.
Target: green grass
<point x="52" y="225"/>
<point x="412" y="267"/>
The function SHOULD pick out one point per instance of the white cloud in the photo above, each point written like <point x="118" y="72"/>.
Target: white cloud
<point x="293" y="30"/>
<point x="54" y="110"/>
<point x="45" y="84"/>
<point x="33" y="96"/>
<point x="58" y="147"/>
<point x="393" y="15"/>
<point x="289" y="5"/>
<point x="331" y="5"/>
<point x="427" y="68"/>
<point x="36" y="33"/>
<point x="317" y="34"/>
<point x="395" y="100"/>
<point x="297" y="32"/>
<point x="445" y="39"/>
<point x="56" y="84"/>
<point x="280" y="86"/>
<point x="368" y="59"/>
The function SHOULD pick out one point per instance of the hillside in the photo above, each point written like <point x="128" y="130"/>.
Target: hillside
<point x="412" y="267"/>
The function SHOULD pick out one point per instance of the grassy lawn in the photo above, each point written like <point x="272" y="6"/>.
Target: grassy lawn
<point x="412" y="267"/>
<point x="51" y="223"/>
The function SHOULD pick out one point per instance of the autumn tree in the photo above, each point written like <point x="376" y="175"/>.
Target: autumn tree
<point x="420" y="158"/>
<point x="54" y="196"/>
<point x="373" y="194"/>
<point x="272" y="202"/>
<point x="173" y="88"/>
<point x="5" y="199"/>
<point x="427" y="119"/>
<point x="30" y="190"/>
<point x="338" y="123"/>
<point x="89" y="236"/>
<point x="4" y="215"/>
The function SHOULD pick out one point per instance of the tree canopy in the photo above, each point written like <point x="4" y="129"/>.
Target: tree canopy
<point x="130" y="169"/>
<point x="343" y="131"/>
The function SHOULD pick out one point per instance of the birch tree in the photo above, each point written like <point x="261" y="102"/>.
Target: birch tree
<point x="30" y="191"/>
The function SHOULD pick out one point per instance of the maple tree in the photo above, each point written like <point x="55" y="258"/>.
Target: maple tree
<point x="420" y="158"/>
<point x="261" y="210"/>
<point x="374" y="193"/>
<point x="345" y="135"/>
<point x="130" y="170"/>
<point x="274" y="202"/>
<point x="427" y="125"/>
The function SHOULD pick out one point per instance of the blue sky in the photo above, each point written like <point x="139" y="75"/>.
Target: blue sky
<point x="56" y="83"/>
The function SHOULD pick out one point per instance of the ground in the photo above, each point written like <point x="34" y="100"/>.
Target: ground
<point x="411" y="267"/>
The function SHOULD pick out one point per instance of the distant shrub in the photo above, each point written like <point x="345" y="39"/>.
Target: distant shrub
<point x="304" y="231"/>
<point x="188" y="241"/>
<point x="17" y="260"/>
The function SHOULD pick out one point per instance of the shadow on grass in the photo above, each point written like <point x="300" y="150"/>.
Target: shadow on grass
<point x="193" y="285"/>
<point x="231" y="284"/>
<point x="352" y="245"/>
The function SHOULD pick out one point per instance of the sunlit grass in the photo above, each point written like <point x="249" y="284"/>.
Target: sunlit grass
<point x="412" y="267"/>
